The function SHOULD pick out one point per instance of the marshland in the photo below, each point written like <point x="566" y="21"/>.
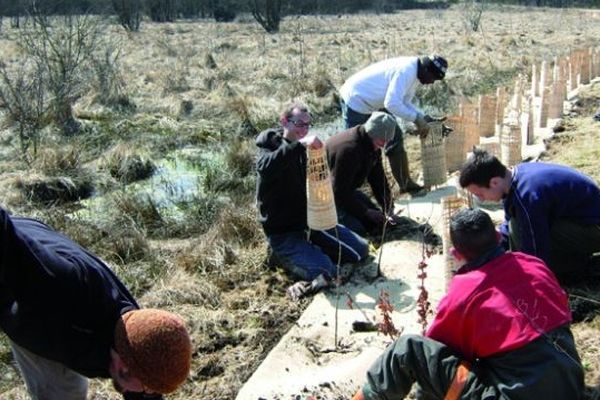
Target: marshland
<point x="150" y="164"/>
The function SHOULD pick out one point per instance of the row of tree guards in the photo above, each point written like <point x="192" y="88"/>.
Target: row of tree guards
<point x="502" y="124"/>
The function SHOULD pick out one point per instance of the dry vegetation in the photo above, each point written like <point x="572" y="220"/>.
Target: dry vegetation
<point x="213" y="85"/>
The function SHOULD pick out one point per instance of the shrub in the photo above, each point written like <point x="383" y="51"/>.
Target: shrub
<point x="62" y="50"/>
<point x="223" y="13"/>
<point x="161" y="10"/>
<point x="109" y="83"/>
<point x="25" y="99"/>
<point x="267" y="13"/>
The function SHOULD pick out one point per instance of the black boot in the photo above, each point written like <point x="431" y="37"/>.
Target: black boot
<point x="399" y="165"/>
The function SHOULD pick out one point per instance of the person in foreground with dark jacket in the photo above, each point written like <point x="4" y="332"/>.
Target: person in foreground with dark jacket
<point x="550" y="211"/>
<point x="69" y="318"/>
<point x="354" y="156"/>
<point x="501" y="332"/>
<point x="281" y="201"/>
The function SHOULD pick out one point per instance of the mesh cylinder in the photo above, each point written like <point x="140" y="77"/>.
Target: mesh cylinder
<point x="433" y="156"/>
<point x="450" y="205"/>
<point x="320" y="203"/>
<point x="455" y="144"/>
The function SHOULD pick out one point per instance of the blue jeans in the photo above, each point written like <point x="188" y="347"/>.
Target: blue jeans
<point x="352" y="118"/>
<point x="307" y="254"/>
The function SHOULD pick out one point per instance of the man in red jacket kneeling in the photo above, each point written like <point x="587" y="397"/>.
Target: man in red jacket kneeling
<point x="501" y="332"/>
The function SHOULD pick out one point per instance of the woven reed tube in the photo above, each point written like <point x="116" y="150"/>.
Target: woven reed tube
<point x="556" y="102"/>
<point x="542" y="117"/>
<point x="468" y="112"/>
<point x="510" y="143"/>
<point x="491" y="145"/>
<point x="593" y="63"/>
<point x="596" y="63"/>
<point x="563" y="75"/>
<point x="516" y="103"/>
<point x="487" y="116"/>
<point x="527" y="127"/>
<point x="573" y="71"/>
<point x="450" y="205"/>
<point x="433" y="156"/>
<point x="585" y="67"/>
<point x="320" y="204"/>
<point x="500" y="106"/>
<point x="535" y="81"/>
<point x="544" y="77"/>
<point x="455" y="143"/>
<point x="389" y="176"/>
<point x="465" y="195"/>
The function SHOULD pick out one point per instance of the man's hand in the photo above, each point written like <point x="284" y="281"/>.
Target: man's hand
<point x="393" y="219"/>
<point x="429" y="118"/>
<point x="312" y="142"/>
<point x="446" y="130"/>
<point x="304" y="288"/>
<point x="422" y="125"/>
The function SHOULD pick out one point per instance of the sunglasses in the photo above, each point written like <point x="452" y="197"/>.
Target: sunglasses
<point x="299" y="124"/>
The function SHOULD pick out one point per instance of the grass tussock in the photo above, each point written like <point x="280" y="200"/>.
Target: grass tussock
<point x="128" y="165"/>
<point x="588" y="346"/>
<point x="54" y="190"/>
<point x="140" y="209"/>
<point x="54" y="160"/>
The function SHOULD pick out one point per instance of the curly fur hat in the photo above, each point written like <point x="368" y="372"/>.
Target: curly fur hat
<point x="156" y="347"/>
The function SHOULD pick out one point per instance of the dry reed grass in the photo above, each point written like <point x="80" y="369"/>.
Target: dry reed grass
<point x="234" y="75"/>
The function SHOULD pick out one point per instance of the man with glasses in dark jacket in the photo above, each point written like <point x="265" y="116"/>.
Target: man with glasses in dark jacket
<point x="308" y="255"/>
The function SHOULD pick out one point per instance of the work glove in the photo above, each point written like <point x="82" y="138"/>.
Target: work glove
<point x="302" y="289"/>
<point x="446" y="130"/>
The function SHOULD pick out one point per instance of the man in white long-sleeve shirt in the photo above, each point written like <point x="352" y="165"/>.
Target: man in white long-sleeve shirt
<point x="390" y="85"/>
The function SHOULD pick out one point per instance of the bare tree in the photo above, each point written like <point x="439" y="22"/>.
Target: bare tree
<point x="471" y="12"/>
<point x="161" y="10"/>
<point x="24" y="98"/>
<point x="129" y="13"/>
<point x="267" y="13"/>
<point x="63" y="49"/>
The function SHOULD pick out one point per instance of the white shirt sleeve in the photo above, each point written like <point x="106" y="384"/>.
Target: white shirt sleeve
<point x="400" y="93"/>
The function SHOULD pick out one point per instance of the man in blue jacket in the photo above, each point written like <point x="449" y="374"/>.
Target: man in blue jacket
<point x="551" y="211"/>
<point x="69" y="318"/>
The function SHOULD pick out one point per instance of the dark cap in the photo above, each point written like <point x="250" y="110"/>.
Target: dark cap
<point x="437" y="65"/>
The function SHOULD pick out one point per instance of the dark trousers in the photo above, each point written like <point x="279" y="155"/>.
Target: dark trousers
<point x="572" y="245"/>
<point x="547" y="368"/>
<point x="359" y="224"/>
